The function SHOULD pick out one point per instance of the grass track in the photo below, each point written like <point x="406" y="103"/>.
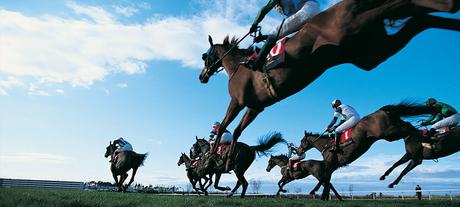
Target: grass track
<point x="73" y="198"/>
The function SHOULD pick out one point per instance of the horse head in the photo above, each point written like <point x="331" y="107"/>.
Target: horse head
<point x="182" y="159"/>
<point x="211" y="60"/>
<point x="199" y="148"/>
<point x="109" y="150"/>
<point x="307" y="142"/>
<point x="271" y="163"/>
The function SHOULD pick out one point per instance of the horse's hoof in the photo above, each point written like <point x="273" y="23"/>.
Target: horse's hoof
<point x="312" y="193"/>
<point x="284" y="191"/>
<point x="391" y="185"/>
<point x="228" y="188"/>
<point x="230" y="195"/>
<point x="382" y="178"/>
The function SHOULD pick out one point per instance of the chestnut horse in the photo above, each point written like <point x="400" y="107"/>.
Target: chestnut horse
<point x="351" y="31"/>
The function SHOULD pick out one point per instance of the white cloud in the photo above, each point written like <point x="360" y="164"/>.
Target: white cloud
<point x="35" y="91"/>
<point x="8" y="83"/>
<point x="34" y="158"/>
<point x="60" y="91"/>
<point x="122" y="85"/>
<point x="126" y="11"/>
<point x="52" y="49"/>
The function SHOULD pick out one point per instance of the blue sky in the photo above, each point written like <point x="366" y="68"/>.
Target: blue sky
<point x="76" y="74"/>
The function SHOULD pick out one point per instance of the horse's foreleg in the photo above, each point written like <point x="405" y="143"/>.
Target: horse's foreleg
<point x="130" y="180"/>
<point x="115" y="177"/>
<point x="409" y="167"/>
<point x="233" y="110"/>
<point x="248" y="117"/>
<point x="313" y="191"/>
<point x="281" y="184"/>
<point x="209" y="183"/>
<point x="401" y="161"/>
<point x="122" y="180"/>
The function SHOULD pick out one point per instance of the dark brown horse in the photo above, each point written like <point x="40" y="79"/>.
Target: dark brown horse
<point x="445" y="145"/>
<point x="244" y="156"/>
<point x="309" y="167"/>
<point x="195" y="174"/>
<point x="125" y="162"/>
<point x="351" y="31"/>
<point x="385" y="123"/>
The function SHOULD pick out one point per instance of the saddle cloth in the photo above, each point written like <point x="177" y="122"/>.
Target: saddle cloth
<point x="277" y="55"/>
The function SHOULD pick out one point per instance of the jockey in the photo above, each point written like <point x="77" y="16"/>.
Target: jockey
<point x="293" y="157"/>
<point x="446" y="116"/>
<point x="297" y="12"/>
<point x="350" y="119"/>
<point x="226" y="138"/>
<point x="123" y="146"/>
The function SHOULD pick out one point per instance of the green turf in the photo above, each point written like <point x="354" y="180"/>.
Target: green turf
<point x="73" y="198"/>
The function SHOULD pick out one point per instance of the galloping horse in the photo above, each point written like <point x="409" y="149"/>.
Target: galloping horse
<point x="125" y="162"/>
<point x="385" y="123"/>
<point x="305" y="168"/>
<point x="195" y="174"/>
<point x="351" y="31"/>
<point x="446" y="144"/>
<point x="244" y="157"/>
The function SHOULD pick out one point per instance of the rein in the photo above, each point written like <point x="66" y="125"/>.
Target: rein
<point x="228" y="52"/>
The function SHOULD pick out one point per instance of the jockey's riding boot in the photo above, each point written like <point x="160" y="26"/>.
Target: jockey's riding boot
<point x="258" y="63"/>
<point x="431" y="133"/>
<point x="336" y="146"/>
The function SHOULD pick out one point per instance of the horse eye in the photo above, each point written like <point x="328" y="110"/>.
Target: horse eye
<point x="204" y="56"/>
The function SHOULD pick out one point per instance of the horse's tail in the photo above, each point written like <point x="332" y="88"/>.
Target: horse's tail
<point x="266" y="142"/>
<point x="139" y="159"/>
<point x="407" y="109"/>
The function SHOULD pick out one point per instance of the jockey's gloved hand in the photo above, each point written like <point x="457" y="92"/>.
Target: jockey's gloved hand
<point x="253" y="28"/>
<point x="260" y="38"/>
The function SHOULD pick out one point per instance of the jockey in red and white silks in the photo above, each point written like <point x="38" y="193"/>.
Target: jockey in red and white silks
<point x="226" y="138"/>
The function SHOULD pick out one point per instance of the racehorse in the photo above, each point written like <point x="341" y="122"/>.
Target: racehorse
<point x="385" y="123"/>
<point x="195" y="174"/>
<point x="444" y="145"/>
<point x="351" y="31"/>
<point x="126" y="160"/>
<point x="309" y="167"/>
<point x="244" y="156"/>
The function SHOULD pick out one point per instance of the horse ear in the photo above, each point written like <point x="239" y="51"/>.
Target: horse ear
<point x="210" y="40"/>
<point x="196" y="137"/>
<point x="110" y="142"/>
<point x="305" y="132"/>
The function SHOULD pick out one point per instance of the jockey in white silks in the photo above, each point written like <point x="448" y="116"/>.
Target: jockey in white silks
<point x="297" y="13"/>
<point x="123" y="146"/>
<point x="350" y="119"/>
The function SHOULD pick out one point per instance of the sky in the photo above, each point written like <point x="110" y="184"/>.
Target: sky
<point x="76" y="74"/>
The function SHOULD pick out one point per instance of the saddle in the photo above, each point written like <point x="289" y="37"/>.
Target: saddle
<point x="439" y="132"/>
<point x="277" y="55"/>
<point x="294" y="163"/>
<point x="345" y="139"/>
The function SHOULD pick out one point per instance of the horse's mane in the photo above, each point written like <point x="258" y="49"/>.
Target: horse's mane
<point x="281" y="156"/>
<point x="233" y="42"/>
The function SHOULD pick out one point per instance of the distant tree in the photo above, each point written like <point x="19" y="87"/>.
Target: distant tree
<point x="350" y="189"/>
<point x="255" y="185"/>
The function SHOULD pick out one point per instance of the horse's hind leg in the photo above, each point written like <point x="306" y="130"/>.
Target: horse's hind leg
<point x="335" y="192"/>
<point x="130" y="180"/>
<point x="216" y="183"/>
<point x="281" y="184"/>
<point x="382" y="49"/>
<point x="413" y="163"/>
<point x="401" y="161"/>
<point x="450" y="6"/>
